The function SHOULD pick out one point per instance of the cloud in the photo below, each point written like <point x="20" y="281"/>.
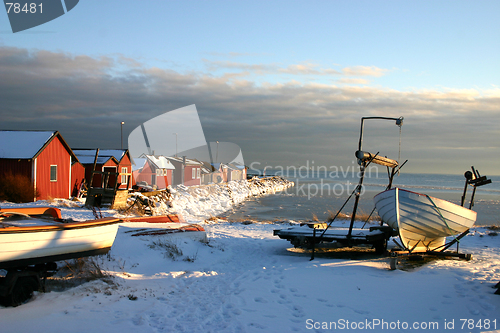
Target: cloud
<point x="305" y="68"/>
<point x="364" y="71"/>
<point x="353" y="81"/>
<point x="308" y="69"/>
<point x="283" y="123"/>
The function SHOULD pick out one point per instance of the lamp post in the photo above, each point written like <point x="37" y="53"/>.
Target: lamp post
<point x="217" y="154"/>
<point x="175" y="144"/>
<point x="121" y="131"/>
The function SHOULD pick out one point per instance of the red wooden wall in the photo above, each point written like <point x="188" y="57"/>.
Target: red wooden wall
<point x="53" y="154"/>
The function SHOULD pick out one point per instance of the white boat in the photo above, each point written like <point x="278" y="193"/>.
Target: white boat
<point x="30" y="236"/>
<point x="423" y="222"/>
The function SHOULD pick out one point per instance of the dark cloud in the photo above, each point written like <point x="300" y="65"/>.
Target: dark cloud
<point x="279" y="124"/>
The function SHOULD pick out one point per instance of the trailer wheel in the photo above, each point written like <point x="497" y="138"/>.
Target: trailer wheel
<point x="22" y="291"/>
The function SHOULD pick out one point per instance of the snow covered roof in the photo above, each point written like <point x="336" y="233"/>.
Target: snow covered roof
<point x="87" y="159"/>
<point x="161" y="162"/>
<point x="26" y="144"/>
<point x="236" y="166"/>
<point x="180" y="160"/>
<point x="116" y="153"/>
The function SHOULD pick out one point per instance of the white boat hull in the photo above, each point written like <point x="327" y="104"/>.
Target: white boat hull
<point x="30" y="241"/>
<point x="423" y="222"/>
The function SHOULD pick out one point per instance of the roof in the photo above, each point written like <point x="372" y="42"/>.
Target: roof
<point x="27" y="144"/>
<point x="180" y="160"/>
<point x="206" y="167"/>
<point x="90" y="159"/>
<point x="116" y="153"/>
<point x="161" y="162"/>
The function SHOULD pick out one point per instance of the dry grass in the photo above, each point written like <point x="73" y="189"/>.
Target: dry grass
<point x="16" y="188"/>
<point x="171" y="249"/>
<point x="77" y="272"/>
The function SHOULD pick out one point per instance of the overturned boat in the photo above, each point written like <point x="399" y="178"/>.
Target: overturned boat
<point x="173" y="225"/>
<point x="31" y="236"/>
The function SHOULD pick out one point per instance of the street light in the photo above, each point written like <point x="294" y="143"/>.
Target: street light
<point x="175" y="144"/>
<point x="217" y="154"/>
<point x="121" y="130"/>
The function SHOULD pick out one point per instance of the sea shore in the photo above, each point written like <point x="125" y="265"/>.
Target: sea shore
<point x="244" y="279"/>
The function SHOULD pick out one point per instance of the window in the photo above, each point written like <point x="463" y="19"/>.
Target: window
<point x="194" y="173"/>
<point x="53" y="173"/>
<point x="198" y="173"/>
<point x="124" y="177"/>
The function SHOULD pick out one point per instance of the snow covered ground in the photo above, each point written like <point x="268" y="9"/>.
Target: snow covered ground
<point x="247" y="280"/>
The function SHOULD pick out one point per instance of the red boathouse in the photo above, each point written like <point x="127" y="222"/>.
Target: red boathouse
<point x="42" y="156"/>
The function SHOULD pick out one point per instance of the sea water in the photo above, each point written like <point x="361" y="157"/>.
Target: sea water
<point x="318" y="195"/>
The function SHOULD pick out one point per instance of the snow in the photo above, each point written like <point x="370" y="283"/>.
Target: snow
<point x="22" y="144"/>
<point x="87" y="156"/>
<point x="244" y="279"/>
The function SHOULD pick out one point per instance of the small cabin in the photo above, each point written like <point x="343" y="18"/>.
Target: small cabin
<point x="103" y="163"/>
<point x="154" y="171"/>
<point x="187" y="171"/>
<point x="43" y="157"/>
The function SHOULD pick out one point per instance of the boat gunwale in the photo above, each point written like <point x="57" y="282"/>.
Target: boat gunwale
<point x="62" y="226"/>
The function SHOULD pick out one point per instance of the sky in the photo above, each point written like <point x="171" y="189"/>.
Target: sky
<point x="287" y="81"/>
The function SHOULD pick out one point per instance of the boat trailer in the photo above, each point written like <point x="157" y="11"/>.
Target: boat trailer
<point x="19" y="283"/>
<point x="314" y="235"/>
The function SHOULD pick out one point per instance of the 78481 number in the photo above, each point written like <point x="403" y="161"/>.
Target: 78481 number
<point x="16" y="7"/>
<point x="485" y="323"/>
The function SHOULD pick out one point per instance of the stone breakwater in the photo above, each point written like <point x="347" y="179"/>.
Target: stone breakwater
<point x="201" y="202"/>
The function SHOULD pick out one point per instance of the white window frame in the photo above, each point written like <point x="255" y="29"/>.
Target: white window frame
<point x="198" y="173"/>
<point x="193" y="173"/>
<point x="55" y="168"/>
<point x="124" y="177"/>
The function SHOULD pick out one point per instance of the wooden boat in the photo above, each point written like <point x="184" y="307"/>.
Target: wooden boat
<point x="31" y="236"/>
<point x="423" y="222"/>
<point x="173" y="225"/>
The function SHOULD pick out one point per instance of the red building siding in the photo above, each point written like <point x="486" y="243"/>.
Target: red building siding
<point x="77" y="177"/>
<point x="16" y="167"/>
<point x="125" y="163"/>
<point x="162" y="182"/>
<point x="148" y="175"/>
<point x="189" y="180"/>
<point x="53" y="154"/>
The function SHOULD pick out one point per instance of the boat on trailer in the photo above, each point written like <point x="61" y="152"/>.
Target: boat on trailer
<point x="33" y="239"/>
<point x="30" y="236"/>
<point x="312" y="235"/>
<point x="423" y="221"/>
